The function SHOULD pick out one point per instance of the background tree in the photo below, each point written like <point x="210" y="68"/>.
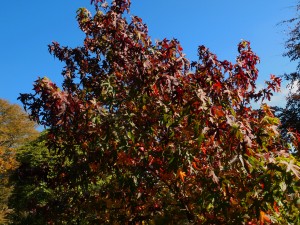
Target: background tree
<point x="42" y="194"/>
<point x="15" y="129"/>
<point x="290" y="115"/>
<point x="33" y="199"/>
<point x="144" y="134"/>
<point x="29" y="193"/>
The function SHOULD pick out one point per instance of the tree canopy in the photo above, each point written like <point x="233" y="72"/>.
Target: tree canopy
<point x="290" y="114"/>
<point x="33" y="200"/>
<point x="15" y="130"/>
<point x="144" y="135"/>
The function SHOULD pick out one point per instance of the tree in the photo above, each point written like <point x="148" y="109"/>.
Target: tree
<point x="290" y="115"/>
<point x="15" y="130"/>
<point x="145" y="134"/>
<point x="40" y="196"/>
<point x="29" y="192"/>
<point x="33" y="201"/>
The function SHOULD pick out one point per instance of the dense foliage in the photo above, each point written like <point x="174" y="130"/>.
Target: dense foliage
<point x="35" y="201"/>
<point x="143" y="135"/>
<point x="15" y="129"/>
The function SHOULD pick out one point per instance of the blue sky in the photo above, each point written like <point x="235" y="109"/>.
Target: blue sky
<point x="27" y="27"/>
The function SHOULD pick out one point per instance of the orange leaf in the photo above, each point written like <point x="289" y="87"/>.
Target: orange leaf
<point x="203" y="150"/>
<point x="264" y="217"/>
<point x="181" y="175"/>
<point x="233" y="201"/>
<point x="276" y="208"/>
<point x="196" y="159"/>
<point x="217" y="111"/>
<point x="195" y="166"/>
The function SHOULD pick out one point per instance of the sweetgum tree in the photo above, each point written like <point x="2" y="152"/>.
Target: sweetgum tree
<point x="147" y="136"/>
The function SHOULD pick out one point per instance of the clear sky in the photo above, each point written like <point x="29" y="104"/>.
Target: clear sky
<point x="27" y="27"/>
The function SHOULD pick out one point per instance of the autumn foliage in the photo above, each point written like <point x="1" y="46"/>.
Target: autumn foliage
<point x="15" y="130"/>
<point x="146" y="135"/>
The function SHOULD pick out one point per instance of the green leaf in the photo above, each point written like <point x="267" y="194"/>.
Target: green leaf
<point x="130" y="135"/>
